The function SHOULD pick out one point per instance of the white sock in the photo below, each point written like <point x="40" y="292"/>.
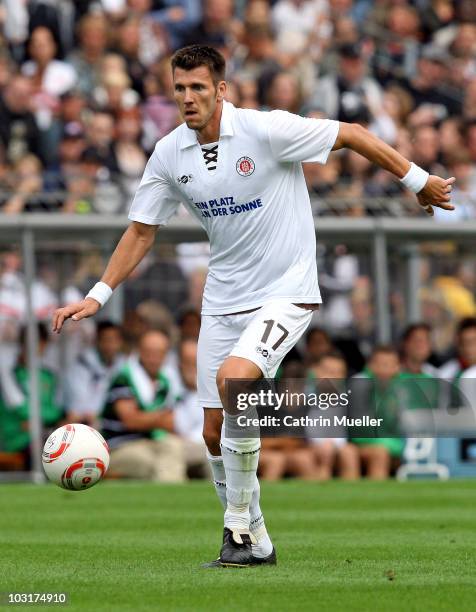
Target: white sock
<point x="264" y="546"/>
<point x="240" y="463"/>
<point x="219" y="478"/>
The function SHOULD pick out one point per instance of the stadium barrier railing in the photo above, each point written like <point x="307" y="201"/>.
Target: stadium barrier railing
<point x="375" y="236"/>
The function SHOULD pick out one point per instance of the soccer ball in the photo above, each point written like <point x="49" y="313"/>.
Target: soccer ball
<point x="75" y="457"/>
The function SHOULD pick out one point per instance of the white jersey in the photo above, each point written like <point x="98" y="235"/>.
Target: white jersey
<point x="254" y="207"/>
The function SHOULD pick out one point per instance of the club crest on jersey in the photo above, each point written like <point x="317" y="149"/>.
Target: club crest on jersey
<point x="245" y="166"/>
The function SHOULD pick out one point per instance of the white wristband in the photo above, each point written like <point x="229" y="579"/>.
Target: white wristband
<point x="415" y="179"/>
<point x="100" y="292"/>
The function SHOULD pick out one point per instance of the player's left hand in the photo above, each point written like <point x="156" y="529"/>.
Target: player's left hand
<point x="436" y="192"/>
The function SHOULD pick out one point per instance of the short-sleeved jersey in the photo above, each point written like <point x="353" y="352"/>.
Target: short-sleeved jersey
<point x="254" y="207"/>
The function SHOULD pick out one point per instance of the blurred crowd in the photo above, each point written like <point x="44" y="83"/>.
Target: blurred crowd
<point x="86" y="91"/>
<point x="137" y="383"/>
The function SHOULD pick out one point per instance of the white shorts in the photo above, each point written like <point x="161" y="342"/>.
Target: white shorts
<point x="263" y="336"/>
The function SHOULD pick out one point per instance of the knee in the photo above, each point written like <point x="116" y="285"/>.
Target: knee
<point x="238" y="368"/>
<point x="224" y="373"/>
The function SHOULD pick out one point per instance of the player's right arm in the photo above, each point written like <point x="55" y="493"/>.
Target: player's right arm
<point x="132" y="247"/>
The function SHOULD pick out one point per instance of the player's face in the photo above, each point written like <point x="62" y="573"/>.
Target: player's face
<point x="197" y="95"/>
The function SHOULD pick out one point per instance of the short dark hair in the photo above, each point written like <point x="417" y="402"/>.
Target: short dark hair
<point x="413" y="327"/>
<point x="464" y="324"/>
<point x="317" y="330"/>
<point x="383" y="349"/>
<point x="195" y="56"/>
<point x="332" y="354"/>
<point x="105" y="325"/>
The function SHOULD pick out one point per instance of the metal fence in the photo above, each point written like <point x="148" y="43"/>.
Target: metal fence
<point x="377" y="237"/>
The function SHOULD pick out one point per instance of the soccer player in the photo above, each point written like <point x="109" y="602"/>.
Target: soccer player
<point x="239" y="173"/>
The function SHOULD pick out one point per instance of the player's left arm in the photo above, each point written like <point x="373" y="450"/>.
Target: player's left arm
<point x="430" y="190"/>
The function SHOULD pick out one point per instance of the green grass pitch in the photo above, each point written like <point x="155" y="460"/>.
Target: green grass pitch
<point x="341" y="546"/>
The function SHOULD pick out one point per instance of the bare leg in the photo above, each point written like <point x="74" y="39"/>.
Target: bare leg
<point x="272" y="464"/>
<point x="325" y="453"/>
<point x="377" y="460"/>
<point x="348" y="462"/>
<point x="301" y="463"/>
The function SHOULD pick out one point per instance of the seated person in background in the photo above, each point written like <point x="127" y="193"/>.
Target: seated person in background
<point x="317" y="343"/>
<point x="289" y="454"/>
<point x="333" y="454"/>
<point x="383" y="372"/>
<point x="14" y="399"/>
<point x="188" y="415"/>
<point x="416" y="349"/>
<point x="137" y="421"/>
<point x="88" y="378"/>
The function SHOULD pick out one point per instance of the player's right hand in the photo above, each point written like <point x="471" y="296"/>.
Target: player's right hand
<point x="80" y="310"/>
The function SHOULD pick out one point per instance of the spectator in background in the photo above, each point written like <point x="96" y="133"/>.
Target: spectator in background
<point x="130" y="156"/>
<point x="329" y="373"/>
<point x="416" y="350"/>
<point x="464" y="194"/>
<point x="70" y="149"/>
<point x="46" y="294"/>
<point x="143" y="39"/>
<point x="258" y="58"/>
<point x="426" y="147"/>
<point x="376" y="390"/>
<point x="15" y="26"/>
<point x="451" y="139"/>
<point x="435" y="311"/>
<point x="396" y="55"/>
<point x="178" y="17"/>
<point x="469" y="110"/>
<point x="100" y="137"/>
<point x="27" y="181"/>
<point x="317" y="344"/>
<point x="93" y="37"/>
<point x="284" y="93"/>
<point x="463" y="66"/>
<point x="471" y="140"/>
<point x="159" y="110"/>
<point x="465" y="348"/>
<point x="291" y="454"/>
<point x="342" y="95"/>
<point x="138" y="422"/>
<point x="189" y="320"/>
<point x="302" y="24"/>
<point x="188" y="414"/>
<point x="51" y="77"/>
<point x="217" y="24"/>
<point x="88" y="378"/>
<point x="362" y="328"/>
<point x="75" y="177"/>
<point x="14" y="399"/>
<point x="433" y="98"/>
<point x="128" y="47"/>
<point x="114" y="94"/>
<point x="19" y="133"/>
